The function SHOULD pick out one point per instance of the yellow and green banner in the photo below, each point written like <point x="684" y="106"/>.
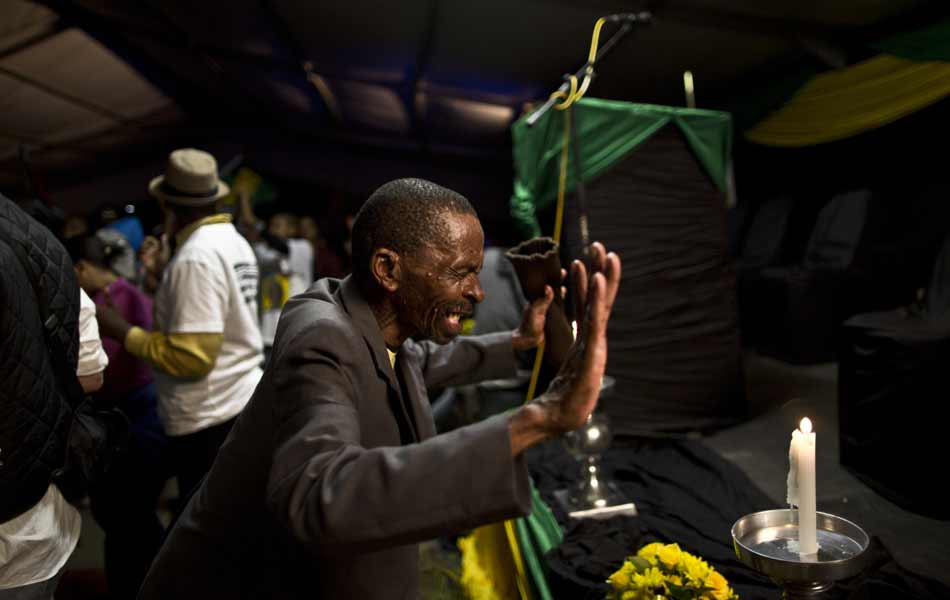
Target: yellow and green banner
<point x="911" y="73"/>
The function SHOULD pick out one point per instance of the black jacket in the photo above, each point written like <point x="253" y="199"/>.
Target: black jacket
<point x="333" y="471"/>
<point x="39" y="308"/>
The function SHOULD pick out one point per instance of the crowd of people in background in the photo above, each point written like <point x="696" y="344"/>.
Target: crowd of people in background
<point x="179" y="361"/>
<point x="277" y="226"/>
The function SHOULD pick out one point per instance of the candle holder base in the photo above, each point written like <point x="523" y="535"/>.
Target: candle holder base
<point x="611" y="503"/>
<point x="768" y="542"/>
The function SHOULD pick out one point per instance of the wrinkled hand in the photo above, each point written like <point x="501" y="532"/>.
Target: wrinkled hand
<point x="530" y="332"/>
<point x="111" y="323"/>
<point x="573" y="394"/>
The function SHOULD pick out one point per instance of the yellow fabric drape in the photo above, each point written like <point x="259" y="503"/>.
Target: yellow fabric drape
<point x="489" y="571"/>
<point x="851" y="100"/>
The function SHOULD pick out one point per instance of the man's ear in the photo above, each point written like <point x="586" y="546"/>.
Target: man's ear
<point x="386" y="268"/>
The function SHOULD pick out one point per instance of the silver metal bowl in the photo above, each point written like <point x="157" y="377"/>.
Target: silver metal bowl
<point x="767" y="541"/>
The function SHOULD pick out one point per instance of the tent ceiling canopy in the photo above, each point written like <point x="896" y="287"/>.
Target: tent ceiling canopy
<point x="92" y="78"/>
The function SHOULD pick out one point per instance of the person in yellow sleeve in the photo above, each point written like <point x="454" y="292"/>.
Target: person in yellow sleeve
<point x="206" y="346"/>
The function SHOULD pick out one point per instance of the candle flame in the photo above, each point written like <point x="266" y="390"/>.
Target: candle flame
<point x="805" y="425"/>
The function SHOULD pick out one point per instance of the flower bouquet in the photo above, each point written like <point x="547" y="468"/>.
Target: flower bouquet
<point x="664" y="572"/>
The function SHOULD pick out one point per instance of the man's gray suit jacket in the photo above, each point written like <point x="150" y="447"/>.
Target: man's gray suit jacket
<point x="333" y="472"/>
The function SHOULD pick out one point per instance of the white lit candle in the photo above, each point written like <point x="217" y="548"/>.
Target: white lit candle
<point x="801" y="485"/>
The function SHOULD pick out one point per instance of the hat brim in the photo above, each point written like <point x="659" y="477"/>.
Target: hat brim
<point x="156" y="190"/>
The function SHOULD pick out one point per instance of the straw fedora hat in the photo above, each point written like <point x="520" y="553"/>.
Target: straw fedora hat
<point x="190" y="179"/>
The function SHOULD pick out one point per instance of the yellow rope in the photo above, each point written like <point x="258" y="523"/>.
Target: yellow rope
<point x="535" y="372"/>
<point x="568" y="97"/>
<point x="595" y="39"/>
<point x="521" y="574"/>
<point x="577" y="91"/>
<point x="562" y="178"/>
<point x="558" y="223"/>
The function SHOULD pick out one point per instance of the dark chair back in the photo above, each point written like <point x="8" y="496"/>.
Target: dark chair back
<point x="837" y="232"/>
<point x="938" y="292"/>
<point x="763" y="242"/>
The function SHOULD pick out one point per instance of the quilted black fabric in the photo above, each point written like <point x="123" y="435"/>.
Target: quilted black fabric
<point x="37" y="286"/>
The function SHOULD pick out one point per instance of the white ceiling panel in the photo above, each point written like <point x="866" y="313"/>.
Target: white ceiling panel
<point x="20" y="21"/>
<point x="34" y="116"/>
<point x="77" y="65"/>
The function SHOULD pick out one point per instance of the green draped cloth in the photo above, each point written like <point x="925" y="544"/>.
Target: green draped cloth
<point x="538" y="533"/>
<point x="608" y="131"/>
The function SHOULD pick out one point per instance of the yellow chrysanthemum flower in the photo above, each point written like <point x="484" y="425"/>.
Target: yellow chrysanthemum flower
<point x="621" y="578"/>
<point x="659" y="568"/>
<point x="720" y="588"/>
<point x="669" y="555"/>
<point x="696" y="569"/>
<point x="650" y="551"/>
<point x="652" y="578"/>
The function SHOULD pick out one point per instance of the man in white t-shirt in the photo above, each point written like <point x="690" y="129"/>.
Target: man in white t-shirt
<point x="35" y="545"/>
<point x="206" y="348"/>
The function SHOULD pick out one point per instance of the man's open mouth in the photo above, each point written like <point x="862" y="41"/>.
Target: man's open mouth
<point x="454" y="317"/>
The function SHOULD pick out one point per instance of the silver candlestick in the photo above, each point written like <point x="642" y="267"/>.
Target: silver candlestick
<point x="767" y="541"/>
<point x="593" y="496"/>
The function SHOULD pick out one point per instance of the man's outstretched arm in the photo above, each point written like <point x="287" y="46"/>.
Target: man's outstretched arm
<point x="336" y="496"/>
<point x="572" y="396"/>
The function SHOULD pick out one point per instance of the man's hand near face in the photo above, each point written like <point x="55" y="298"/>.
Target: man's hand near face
<point x="572" y="396"/>
<point x="530" y="332"/>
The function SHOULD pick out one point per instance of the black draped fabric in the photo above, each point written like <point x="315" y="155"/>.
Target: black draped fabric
<point x="685" y="494"/>
<point x="674" y="343"/>
<point x="689" y="495"/>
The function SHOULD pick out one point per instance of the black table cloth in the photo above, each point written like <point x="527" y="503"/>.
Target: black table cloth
<point x="689" y="495"/>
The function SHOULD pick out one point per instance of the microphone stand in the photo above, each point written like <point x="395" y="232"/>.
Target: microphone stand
<point x="581" y="190"/>
<point x="628" y="20"/>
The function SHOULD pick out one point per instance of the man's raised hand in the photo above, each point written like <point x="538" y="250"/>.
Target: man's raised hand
<point x="572" y="396"/>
